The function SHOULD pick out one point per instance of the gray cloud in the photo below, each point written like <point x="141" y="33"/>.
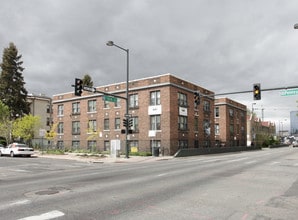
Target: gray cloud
<point x="222" y="45"/>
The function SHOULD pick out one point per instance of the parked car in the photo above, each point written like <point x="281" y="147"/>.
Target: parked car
<point x="16" y="149"/>
<point x="295" y="143"/>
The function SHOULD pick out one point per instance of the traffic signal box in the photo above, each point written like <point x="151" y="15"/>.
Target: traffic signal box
<point x="257" y="91"/>
<point x="78" y="87"/>
<point x="197" y="98"/>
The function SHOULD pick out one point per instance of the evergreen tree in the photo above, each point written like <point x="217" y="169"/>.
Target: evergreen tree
<point x="12" y="90"/>
<point x="87" y="80"/>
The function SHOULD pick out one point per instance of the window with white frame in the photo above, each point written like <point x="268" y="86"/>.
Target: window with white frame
<point x="106" y="124"/>
<point x="182" y="99"/>
<point x="182" y="123"/>
<point x="76" y="108"/>
<point x="155" y="122"/>
<point x="60" y="128"/>
<point x="76" y="127"/>
<point x="155" y="98"/>
<point x="91" y="105"/>
<point x="134" y="101"/>
<point x="216" y="113"/>
<point x="60" y="110"/>
<point x="117" y="123"/>
<point x="206" y="106"/>
<point x="92" y="125"/>
<point x="216" y="129"/>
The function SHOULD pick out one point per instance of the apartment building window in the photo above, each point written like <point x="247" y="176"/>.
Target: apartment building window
<point x="155" y="98"/>
<point x="48" y="109"/>
<point x="92" y="106"/>
<point x="106" y="124"/>
<point x="232" y="132"/>
<point x="231" y="112"/>
<point x="134" y="101"/>
<point x="196" y="124"/>
<point x="92" y="126"/>
<point x="60" y="110"/>
<point x="106" y="145"/>
<point x="206" y="127"/>
<point x="182" y="123"/>
<point x="48" y="121"/>
<point x="91" y="145"/>
<point x="117" y="104"/>
<point x="75" y="145"/>
<point x="60" y="128"/>
<point x="106" y="104"/>
<point x="155" y="122"/>
<point x="135" y="124"/>
<point x="134" y="144"/>
<point x="216" y="129"/>
<point x="182" y="99"/>
<point x="182" y="144"/>
<point x="60" y="144"/>
<point x="75" y="127"/>
<point x="206" y="106"/>
<point x="76" y="108"/>
<point x="216" y="113"/>
<point x="117" y="123"/>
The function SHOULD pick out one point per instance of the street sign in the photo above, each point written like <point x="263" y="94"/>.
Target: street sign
<point x="289" y="92"/>
<point x="109" y="98"/>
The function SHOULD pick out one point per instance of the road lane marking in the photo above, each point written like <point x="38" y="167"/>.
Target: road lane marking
<point x="162" y="174"/>
<point x="274" y="163"/>
<point x="45" y="216"/>
<point x="15" y="203"/>
<point x="236" y="160"/>
<point x="250" y="162"/>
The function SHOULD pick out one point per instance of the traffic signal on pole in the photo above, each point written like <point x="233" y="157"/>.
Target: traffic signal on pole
<point x="130" y="123"/>
<point x="78" y="87"/>
<point x="257" y="91"/>
<point x="125" y="122"/>
<point x="197" y="98"/>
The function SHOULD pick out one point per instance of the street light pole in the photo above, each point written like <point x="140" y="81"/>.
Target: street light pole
<point x="111" y="43"/>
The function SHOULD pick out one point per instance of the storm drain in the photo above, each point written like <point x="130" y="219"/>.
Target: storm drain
<point x="48" y="192"/>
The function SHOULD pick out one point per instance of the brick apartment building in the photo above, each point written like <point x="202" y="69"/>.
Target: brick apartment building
<point x="162" y="108"/>
<point x="230" y="123"/>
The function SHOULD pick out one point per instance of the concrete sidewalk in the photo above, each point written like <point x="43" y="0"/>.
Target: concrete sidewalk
<point x="104" y="159"/>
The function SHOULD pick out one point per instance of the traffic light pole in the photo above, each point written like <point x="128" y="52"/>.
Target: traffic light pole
<point x="249" y="91"/>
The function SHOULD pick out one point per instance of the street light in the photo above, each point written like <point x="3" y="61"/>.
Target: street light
<point x="111" y="43"/>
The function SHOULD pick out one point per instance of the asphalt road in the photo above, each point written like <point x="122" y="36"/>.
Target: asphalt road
<point x="241" y="186"/>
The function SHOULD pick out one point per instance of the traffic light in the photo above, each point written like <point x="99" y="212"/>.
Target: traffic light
<point x="130" y="122"/>
<point x="197" y="98"/>
<point x="125" y="122"/>
<point x="78" y="87"/>
<point x="257" y="91"/>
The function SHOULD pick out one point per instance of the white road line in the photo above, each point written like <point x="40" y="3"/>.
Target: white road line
<point x="15" y="203"/>
<point x="274" y="163"/>
<point x="296" y="164"/>
<point x="236" y="160"/>
<point x="250" y="162"/>
<point x="162" y="174"/>
<point x="45" y="216"/>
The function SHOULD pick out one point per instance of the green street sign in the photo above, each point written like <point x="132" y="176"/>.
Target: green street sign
<point x="109" y="98"/>
<point x="289" y="92"/>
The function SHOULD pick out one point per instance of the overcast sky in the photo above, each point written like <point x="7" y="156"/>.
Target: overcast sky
<point x="222" y="45"/>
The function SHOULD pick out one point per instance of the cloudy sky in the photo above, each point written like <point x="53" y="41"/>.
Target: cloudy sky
<point x="222" y="45"/>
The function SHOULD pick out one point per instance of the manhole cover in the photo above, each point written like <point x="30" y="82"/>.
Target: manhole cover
<point x="47" y="192"/>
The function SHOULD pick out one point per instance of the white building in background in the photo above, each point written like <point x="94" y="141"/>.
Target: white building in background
<point x="294" y="123"/>
<point x="41" y="105"/>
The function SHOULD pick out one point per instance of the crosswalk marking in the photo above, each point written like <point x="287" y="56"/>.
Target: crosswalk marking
<point x="45" y="216"/>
